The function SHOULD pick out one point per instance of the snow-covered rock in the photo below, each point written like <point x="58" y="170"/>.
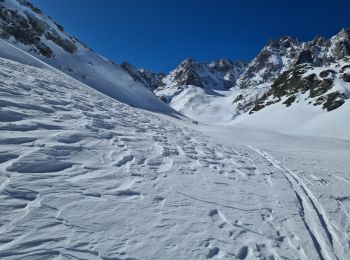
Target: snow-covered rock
<point x="28" y="29"/>
<point x="220" y="75"/>
<point x="276" y="57"/>
<point x="148" y="78"/>
<point x="324" y="86"/>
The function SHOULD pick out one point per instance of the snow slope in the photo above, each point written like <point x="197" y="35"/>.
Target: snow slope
<point x="84" y="176"/>
<point x="81" y="62"/>
<point x="300" y="119"/>
<point x="308" y="113"/>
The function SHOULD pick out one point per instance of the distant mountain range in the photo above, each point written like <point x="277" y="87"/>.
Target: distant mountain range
<point x="282" y="69"/>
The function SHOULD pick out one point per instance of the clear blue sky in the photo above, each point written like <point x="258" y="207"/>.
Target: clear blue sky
<point x="158" y="34"/>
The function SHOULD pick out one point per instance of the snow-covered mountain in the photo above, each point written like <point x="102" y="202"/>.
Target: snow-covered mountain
<point x="286" y="71"/>
<point x="199" y="90"/>
<point x="85" y="176"/>
<point x="27" y="28"/>
<point x="196" y="89"/>
<point x="306" y="92"/>
<point x="218" y="75"/>
<point x="287" y="52"/>
<point x="273" y="59"/>
<point x="222" y="91"/>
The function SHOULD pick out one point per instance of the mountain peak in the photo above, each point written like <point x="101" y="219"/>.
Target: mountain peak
<point x="187" y="61"/>
<point x="343" y="34"/>
<point x="284" y="41"/>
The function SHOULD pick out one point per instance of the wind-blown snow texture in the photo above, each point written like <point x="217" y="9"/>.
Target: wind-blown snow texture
<point x="86" y="177"/>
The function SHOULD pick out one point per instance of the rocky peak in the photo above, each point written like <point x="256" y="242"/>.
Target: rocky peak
<point x="187" y="73"/>
<point x="340" y="45"/>
<point x="224" y="65"/>
<point x="221" y="74"/>
<point x="283" y="42"/>
<point x="319" y="40"/>
<point x="277" y="56"/>
<point x="344" y="34"/>
<point x="187" y="61"/>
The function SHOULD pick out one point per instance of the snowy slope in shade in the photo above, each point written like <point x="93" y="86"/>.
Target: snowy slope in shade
<point x="88" y="67"/>
<point x="86" y="177"/>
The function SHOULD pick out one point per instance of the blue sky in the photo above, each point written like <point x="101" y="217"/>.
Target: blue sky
<point x="158" y="34"/>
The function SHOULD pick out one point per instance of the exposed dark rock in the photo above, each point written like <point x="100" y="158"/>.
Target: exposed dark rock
<point x="293" y="81"/>
<point x="334" y="100"/>
<point x="289" y="101"/>
<point x="63" y="43"/>
<point x="238" y="98"/>
<point x="256" y="108"/>
<point x="346" y="77"/>
<point x="44" y="50"/>
<point x="326" y="73"/>
<point x="305" y="56"/>
<point x="345" y="67"/>
<point x="30" y="5"/>
<point x="60" y="27"/>
<point x="29" y="29"/>
<point x="341" y="42"/>
<point x="148" y="78"/>
<point x="187" y="74"/>
<point x="222" y="65"/>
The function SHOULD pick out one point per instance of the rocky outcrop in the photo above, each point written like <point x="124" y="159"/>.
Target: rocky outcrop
<point x="304" y="83"/>
<point x="148" y="78"/>
<point x="30" y="30"/>
<point x="272" y="60"/>
<point x="287" y="52"/>
<point x="187" y="73"/>
<point x="218" y="75"/>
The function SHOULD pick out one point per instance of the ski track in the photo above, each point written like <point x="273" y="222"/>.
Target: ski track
<point x="86" y="177"/>
<point x="326" y="240"/>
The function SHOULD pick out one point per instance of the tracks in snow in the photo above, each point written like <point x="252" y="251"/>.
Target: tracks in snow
<point x="91" y="178"/>
<point x="324" y="237"/>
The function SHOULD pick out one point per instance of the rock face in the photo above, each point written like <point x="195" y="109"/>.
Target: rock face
<point x="273" y="59"/>
<point x="287" y="52"/>
<point x="27" y="28"/>
<point x="220" y="75"/>
<point x="306" y="83"/>
<point x="217" y="75"/>
<point x="148" y="78"/>
<point x="285" y="69"/>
